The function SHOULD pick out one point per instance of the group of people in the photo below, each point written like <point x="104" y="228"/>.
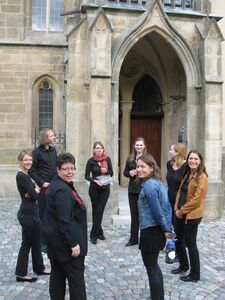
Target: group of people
<point x="158" y="210"/>
<point x="52" y="213"/>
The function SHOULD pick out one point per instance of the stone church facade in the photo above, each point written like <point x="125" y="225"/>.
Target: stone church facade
<point x="111" y="71"/>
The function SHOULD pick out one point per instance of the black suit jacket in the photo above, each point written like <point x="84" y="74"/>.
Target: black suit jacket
<point x="64" y="222"/>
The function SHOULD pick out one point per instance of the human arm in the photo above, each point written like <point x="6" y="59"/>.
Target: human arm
<point x="110" y="168"/>
<point x="33" y="170"/>
<point x="26" y="187"/>
<point x="64" y="205"/>
<point x="196" y="194"/>
<point x="158" y="206"/>
<point x="130" y="169"/>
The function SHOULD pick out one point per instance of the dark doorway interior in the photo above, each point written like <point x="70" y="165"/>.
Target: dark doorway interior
<point x="147" y="114"/>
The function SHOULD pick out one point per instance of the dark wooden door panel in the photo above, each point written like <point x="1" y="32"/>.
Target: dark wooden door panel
<point x="150" y="130"/>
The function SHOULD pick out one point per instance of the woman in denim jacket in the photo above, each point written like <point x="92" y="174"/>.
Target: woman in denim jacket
<point x="155" y="221"/>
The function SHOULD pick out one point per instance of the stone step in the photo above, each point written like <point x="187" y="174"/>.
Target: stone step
<point x="123" y="216"/>
<point x="121" y="219"/>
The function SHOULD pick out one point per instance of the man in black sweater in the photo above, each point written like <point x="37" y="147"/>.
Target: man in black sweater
<point x="44" y="166"/>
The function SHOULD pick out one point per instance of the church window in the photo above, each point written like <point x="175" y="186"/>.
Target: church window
<point x="46" y="15"/>
<point x="45" y="105"/>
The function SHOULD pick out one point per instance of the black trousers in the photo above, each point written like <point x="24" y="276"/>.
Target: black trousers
<point x="99" y="198"/>
<point x="186" y="232"/>
<point x="155" y="275"/>
<point x="31" y="240"/>
<point x="73" y="271"/>
<point x="134" y="228"/>
<point x="41" y="202"/>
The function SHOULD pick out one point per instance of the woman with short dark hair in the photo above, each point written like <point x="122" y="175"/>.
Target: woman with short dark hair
<point x="65" y="230"/>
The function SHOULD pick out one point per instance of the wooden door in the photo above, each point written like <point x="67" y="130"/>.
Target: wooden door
<point x="150" y="130"/>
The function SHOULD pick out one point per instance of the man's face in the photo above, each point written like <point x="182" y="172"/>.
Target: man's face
<point x="51" y="137"/>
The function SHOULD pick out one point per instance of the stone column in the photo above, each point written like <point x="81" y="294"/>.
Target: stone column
<point x="211" y="108"/>
<point x="126" y="107"/>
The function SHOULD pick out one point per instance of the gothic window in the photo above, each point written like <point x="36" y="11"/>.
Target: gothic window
<point x="45" y="105"/>
<point x="46" y="15"/>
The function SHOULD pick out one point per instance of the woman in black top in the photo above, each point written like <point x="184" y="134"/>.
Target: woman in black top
<point x="65" y="232"/>
<point x="98" y="172"/>
<point x="134" y="187"/>
<point x="175" y="171"/>
<point x="28" y="218"/>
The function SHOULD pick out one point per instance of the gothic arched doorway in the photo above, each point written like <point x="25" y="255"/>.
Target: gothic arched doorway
<point x="147" y="114"/>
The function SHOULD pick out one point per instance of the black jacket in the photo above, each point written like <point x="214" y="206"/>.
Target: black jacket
<point x="64" y="221"/>
<point x="134" y="186"/>
<point x="44" y="165"/>
<point x="93" y="170"/>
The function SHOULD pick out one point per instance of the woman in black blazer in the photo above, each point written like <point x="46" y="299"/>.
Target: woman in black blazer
<point x="65" y="230"/>
<point x="134" y="187"/>
<point x="28" y="218"/>
<point x="98" y="170"/>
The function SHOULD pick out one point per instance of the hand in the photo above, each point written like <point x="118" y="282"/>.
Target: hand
<point x="168" y="235"/>
<point x="37" y="189"/>
<point x="45" y="184"/>
<point x="104" y="170"/>
<point x="27" y="195"/>
<point x="98" y="182"/>
<point x="133" y="172"/>
<point x="75" y="250"/>
<point x="178" y="214"/>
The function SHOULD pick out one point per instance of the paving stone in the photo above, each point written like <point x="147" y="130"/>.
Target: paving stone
<point x="113" y="271"/>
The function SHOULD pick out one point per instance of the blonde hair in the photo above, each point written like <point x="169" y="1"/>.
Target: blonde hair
<point x="180" y="148"/>
<point x="43" y="136"/>
<point x="22" y="154"/>
<point x="133" y="153"/>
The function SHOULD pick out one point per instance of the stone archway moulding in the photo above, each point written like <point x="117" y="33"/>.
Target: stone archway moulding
<point x="149" y="23"/>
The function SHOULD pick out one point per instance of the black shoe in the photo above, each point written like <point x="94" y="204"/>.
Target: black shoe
<point x="94" y="240"/>
<point x="179" y="270"/>
<point x="131" y="244"/>
<point x="21" y="279"/>
<point x="44" y="273"/>
<point x="101" y="237"/>
<point x="188" y="278"/>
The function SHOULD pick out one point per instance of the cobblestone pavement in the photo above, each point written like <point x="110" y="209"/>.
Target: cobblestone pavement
<point x="114" y="271"/>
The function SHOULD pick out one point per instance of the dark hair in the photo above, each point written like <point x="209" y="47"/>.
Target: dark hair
<point x="133" y="153"/>
<point x="43" y="136"/>
<point x="65" y="158"/>
<point x="98" y="143"/>
<point x="201" y="168"/>
<point x="22" y="154"/>
<point x="150" y="161"/>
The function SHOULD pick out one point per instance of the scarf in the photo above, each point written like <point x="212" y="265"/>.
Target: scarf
<point x="103" y="162"/>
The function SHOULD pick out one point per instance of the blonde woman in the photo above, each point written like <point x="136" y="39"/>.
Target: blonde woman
<point x="130" y="171"/>
<point x="175" y="171"/>
<point x="29" y="220"/>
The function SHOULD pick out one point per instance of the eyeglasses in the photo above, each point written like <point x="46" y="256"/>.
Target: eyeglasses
<point x="67" y="170"/>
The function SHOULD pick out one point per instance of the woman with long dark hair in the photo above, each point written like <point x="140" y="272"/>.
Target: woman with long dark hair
<point x="154" y="221"/>
<point x="98" y="171"/>
<point x="189" y="207"/>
